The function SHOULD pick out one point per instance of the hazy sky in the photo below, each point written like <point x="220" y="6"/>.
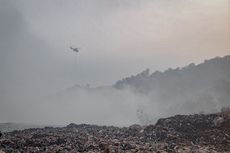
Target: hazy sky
<point x="117" y="38"/>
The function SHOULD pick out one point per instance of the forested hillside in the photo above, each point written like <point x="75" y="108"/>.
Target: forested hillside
<point x="203" y="87"/>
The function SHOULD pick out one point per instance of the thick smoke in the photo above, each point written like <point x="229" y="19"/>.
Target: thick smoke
<point x="146" y="97"/>
<point x="202" y="88"/>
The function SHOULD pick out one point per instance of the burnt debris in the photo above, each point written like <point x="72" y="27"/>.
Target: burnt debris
<point x="180" y="133"/>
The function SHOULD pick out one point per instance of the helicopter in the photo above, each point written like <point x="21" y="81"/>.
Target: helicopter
<point x="74" y="49"/>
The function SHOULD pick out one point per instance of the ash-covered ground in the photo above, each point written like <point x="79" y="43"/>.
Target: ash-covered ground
<point x="180" y="133"/>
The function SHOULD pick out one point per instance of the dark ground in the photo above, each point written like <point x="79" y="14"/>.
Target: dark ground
<point x="180" y="133"/>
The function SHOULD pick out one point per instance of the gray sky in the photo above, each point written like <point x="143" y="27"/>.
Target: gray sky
<point x="117" y="38"/>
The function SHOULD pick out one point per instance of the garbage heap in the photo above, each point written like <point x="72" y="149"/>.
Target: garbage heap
<point x="181" y="133"/>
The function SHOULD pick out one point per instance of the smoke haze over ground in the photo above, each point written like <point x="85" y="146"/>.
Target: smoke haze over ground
<point x="117" y="39"/>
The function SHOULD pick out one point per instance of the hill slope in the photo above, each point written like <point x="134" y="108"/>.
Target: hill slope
<point x="202" y="87"/>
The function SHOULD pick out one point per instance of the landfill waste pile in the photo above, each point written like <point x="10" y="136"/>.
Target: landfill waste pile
<point x="8" y="127"/>
<point x="181" y="133"/>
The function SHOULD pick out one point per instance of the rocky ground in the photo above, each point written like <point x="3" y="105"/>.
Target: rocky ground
<point x="181" y="133"/>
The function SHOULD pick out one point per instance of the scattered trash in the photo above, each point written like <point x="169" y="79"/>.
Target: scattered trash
<point x="181" y="133"/>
